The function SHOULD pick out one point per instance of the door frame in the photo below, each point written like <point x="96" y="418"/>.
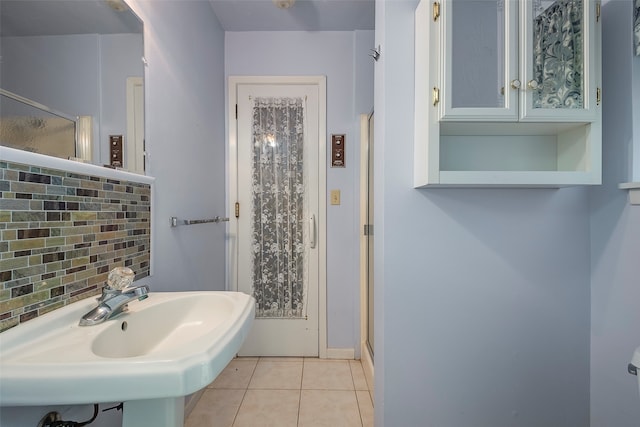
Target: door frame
<point x="365" y="355"/>
<point x="232" y="189"/>
<point x="135" y="126"/>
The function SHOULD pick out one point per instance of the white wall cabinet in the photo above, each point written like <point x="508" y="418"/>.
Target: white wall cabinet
<point x="507" y="93"/>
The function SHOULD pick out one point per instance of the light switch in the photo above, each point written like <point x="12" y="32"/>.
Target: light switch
<point x="337" y="151"/>
<point x="335" y="197"/>
<point x="115" y="150"/>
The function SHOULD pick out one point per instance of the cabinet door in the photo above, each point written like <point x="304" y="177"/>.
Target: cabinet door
<point x="479" y="45"/>
<point x="558" y="54"/>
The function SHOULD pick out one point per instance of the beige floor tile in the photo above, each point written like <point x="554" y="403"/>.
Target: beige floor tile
<point x="359" y="381"/>
<point x="236" y="375"/>
<point x="331" y="408"/>
<point x="327" y="375"/>
<point x="216" y="408"/>
<point x="277" y="375"/>
<point x="269" y="408"/>
<point x="366" y="407"/>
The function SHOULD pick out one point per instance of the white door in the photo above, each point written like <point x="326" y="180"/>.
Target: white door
<point x="134" y="159"/>
<point x="278" y="229"/>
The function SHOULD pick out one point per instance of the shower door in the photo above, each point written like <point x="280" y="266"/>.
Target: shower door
<point x="277" y="128"/>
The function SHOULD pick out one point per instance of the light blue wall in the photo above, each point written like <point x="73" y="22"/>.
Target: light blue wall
<point x="483" y="295"/>
<point x="185" y="122"/>
<point x="184" y="90"/>
<point x="343" y="58"/>
<point x="615" y="232"/>
<point x="482" y="299"/>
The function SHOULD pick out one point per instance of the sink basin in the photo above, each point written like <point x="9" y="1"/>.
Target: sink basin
<point x="166" y="346"/>
<point x="167" y="325"/>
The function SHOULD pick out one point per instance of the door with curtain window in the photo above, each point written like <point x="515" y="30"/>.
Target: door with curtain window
<point x="277" y="242"/>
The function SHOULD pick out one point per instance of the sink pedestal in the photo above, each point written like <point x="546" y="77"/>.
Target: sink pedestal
<point x="167" y="412"/>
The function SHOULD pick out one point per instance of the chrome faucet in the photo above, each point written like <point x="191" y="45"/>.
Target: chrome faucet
<point x="113" y="302"/>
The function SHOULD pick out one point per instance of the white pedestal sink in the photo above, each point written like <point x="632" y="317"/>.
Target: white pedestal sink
<point x="164" y="348"/>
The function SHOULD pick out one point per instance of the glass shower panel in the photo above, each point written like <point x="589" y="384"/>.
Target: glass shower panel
<point x="278" y="208"/>
<point x="478" y="54"/>
<point x="27" y="127"/>
<point x="370" y="242"/>
<point x="558" y="54"/>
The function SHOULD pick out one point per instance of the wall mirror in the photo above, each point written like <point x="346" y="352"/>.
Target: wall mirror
<point x="27" y="125"/>
<point x="79" y="59"/>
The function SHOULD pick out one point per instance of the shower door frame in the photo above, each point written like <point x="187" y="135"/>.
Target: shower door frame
<point x="232" y="174"/>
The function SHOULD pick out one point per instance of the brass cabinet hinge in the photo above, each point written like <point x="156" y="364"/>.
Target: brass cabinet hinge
<point x="368" y="229"/>
<point x="598" y="96"/>
<point x="435" y="96"/>
<point x="237" y="210"/>
<point x="436" y="11"/>
<point x="598" y="8"/>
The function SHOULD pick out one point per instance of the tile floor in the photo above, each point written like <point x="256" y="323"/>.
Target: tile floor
<point x="282" y="392"/>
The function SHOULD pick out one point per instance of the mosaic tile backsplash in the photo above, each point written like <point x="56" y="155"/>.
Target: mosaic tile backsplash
<point x="62" y="233"/>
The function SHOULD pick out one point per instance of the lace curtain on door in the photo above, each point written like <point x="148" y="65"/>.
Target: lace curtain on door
<point x="278" y="184"/>
<point x="558" y="56"/>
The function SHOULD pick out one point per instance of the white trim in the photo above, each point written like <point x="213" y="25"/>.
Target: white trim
<point x="232" y="159"/>
<point x="28" y="158"/>
<point x="634" y="191"/>
<point x="629" y="185"/>
<point x="341" y="353"/>
<point x="25" y="157"/>
<point x="365" y="354"/>
<point x="367" y="365"/>
<point x="364" y="171"/>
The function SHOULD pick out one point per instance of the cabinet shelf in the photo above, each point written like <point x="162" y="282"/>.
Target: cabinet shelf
<point x="489" y="147"/>
<point x="504" y="179"/>
<point x="634" y="191"/>
<point x="506" y="128"/>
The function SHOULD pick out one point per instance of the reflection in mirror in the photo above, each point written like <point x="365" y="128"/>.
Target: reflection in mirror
<point x="28" y="126"/>
<point x="76" y="57"/>
<point x="478" y="54"/>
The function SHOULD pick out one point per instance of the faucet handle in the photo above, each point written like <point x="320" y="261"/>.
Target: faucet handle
<point x="139" y="290"/>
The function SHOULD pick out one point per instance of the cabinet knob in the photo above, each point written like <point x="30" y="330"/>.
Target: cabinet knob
<point x="533" y="84"/>
<point x="515" y="84"/>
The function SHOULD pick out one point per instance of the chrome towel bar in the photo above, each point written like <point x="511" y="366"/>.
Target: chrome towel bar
<point x="176" y="222"/>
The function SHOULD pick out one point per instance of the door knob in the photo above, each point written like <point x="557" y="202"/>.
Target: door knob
<point x="312" y="231"/>
<point x="533" y="84"/>
<point x="515" y="84"/>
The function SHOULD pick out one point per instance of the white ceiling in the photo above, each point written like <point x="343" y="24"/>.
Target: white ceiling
<point x="304" y="15"/>
<point x="56" y="17"/>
